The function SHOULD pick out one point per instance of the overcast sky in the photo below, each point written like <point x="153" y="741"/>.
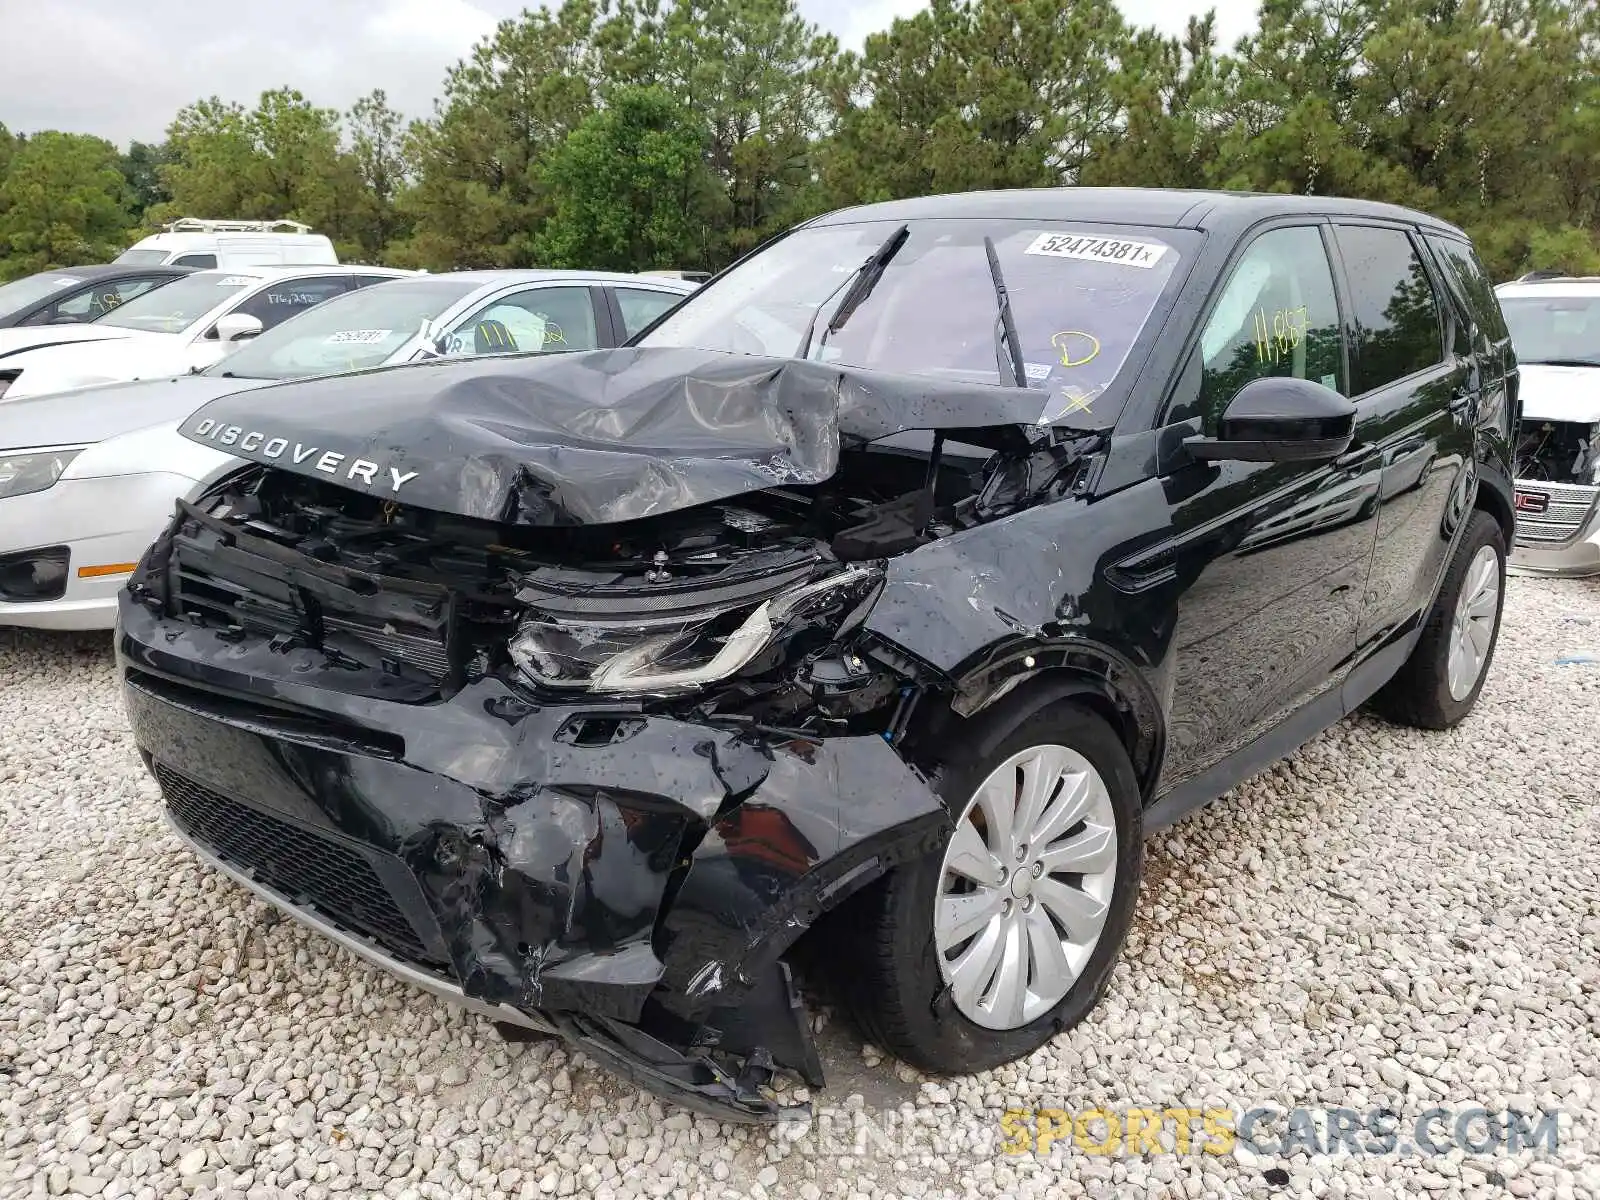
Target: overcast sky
<point x="121" y="70"/>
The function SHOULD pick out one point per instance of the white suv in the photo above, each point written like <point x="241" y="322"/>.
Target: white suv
<point x="1555" y="330"/>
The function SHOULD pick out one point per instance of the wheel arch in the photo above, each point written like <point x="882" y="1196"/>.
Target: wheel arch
<point x="1031" y="674"/>
<point x="1493" y="498"/>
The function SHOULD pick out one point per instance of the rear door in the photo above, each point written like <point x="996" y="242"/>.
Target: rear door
<point x="1268" y="559"/>
<point x="1416" y="389"/>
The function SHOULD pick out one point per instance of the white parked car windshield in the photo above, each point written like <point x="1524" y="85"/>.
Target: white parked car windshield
<point x="178" y="305"/>
<point x="1554" y="329"/>
<point x="348" y="333"/>
<point x="141" y="256"/>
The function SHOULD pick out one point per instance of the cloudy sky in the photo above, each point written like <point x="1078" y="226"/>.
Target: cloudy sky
<point x="121" y="70"/>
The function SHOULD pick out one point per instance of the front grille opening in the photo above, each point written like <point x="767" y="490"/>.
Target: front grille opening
<point x="234" y="579"/>
<point x="34" y="575"/>
<point x="306" y="868"/>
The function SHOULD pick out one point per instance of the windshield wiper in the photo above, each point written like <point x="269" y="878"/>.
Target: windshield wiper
<point x="1560" y="362"/>
<point x="860" y="284"/>
<point x="1006" y="342"/>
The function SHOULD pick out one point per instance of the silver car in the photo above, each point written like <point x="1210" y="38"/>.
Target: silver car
<point x="88" y="478"/>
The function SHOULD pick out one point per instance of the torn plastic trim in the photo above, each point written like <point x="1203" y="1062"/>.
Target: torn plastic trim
<point x="517" y="852"/>
<point x="694" y="1080"/>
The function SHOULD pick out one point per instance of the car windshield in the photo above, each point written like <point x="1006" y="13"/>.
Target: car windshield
<point x="141" y="256"/>
<point x="357" y="330"/>
<point x="178" y="305"/>
<point x="23" y="293"/>
<point x="1080" y="296"/>
<point x="1554" y="329"/>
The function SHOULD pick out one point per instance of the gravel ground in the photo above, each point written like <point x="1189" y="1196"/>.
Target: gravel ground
<point x="1389" y="917"/>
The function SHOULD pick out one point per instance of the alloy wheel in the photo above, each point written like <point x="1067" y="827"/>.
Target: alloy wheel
<point x="1025" y="886"/>
<point x="1472" y="633"/>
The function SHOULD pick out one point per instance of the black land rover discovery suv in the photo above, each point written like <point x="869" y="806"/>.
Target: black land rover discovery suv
<point x="895" y="584"/>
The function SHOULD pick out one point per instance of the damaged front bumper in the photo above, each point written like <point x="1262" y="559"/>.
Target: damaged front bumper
<point x="630" y="882"/>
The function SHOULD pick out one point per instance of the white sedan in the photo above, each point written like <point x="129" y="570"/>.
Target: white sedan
<point x="187" y="325"/>
<point x="89" y="478"/>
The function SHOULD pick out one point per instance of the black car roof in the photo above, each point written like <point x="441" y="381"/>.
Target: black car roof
<point x="1171" y="208"/>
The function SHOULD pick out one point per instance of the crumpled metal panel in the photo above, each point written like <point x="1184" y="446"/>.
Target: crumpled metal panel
<point x="590" y="438"/>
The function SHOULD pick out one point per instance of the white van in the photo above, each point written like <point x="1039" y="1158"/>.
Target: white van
<point x="192" y="242"/>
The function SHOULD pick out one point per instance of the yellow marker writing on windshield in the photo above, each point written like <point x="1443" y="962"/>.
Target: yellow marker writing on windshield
<point x="1077" y="399"/>
<point x="1063" y="342"/>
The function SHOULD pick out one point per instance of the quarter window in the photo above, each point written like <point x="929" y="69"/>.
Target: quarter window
<point x="1278" y="315"/>
<point x="1396" y="313"/>
<point x="640" y="307"/>
<point x="1467" y="269"/>
<point x="538" y="320"/>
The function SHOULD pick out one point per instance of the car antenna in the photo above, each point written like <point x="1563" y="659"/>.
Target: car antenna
<point x="862" y="280"/>
<point x="1006" y="342"/>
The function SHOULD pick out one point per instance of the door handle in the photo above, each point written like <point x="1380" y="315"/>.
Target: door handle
<point x="1355" y="456"/>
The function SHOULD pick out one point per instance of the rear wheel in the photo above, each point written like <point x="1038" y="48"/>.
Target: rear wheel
<point x="978" y="954"/>
<point x="1440" y="683"/>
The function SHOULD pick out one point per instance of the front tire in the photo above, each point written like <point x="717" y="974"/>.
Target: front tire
<point x="1441" y="681"/>
<point x="980" y="953"/>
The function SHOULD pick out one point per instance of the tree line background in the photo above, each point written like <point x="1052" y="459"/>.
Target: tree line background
<point x="629" y="134"/>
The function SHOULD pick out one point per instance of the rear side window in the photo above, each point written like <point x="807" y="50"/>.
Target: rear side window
<point x="1391" y="297"/>
<point x="1278" y="315"/>
<point x="278" y="303"/>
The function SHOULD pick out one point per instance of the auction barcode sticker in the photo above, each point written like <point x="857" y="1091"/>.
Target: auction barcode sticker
<point x="363" y="337"/>
<point x="1120" y="251"/>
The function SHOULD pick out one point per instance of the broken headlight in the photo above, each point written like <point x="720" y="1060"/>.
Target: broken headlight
<point x="25" y="471"/>
<point x="679" y="653"/>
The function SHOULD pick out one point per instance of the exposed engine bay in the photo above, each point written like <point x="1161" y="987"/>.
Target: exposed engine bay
<point x="751" y="594"/>
<point x="1558" y="451"/>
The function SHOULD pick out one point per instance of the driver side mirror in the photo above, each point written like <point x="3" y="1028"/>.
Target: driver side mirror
<point x="1277" y="419"/>
<point x="237" y="327"/>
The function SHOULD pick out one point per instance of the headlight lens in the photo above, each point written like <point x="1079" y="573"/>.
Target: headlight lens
<point x="700" y="649"/>
<point x="24" y="471"/>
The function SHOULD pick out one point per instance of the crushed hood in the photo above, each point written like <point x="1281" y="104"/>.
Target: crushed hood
<point x="590" y="438"/>
<point x="1551" y="393"/>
